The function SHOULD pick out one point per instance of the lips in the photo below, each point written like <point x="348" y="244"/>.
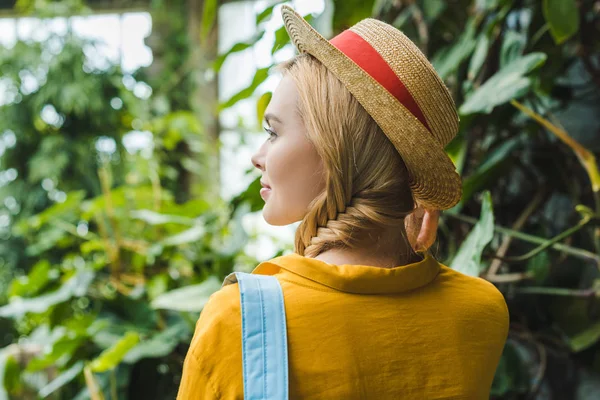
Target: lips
<point x="265" y="191"/>
<point x="264" y="185"/>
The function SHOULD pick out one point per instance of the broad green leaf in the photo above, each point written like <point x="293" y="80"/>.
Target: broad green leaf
<point x="490" y="168"/>
<point x="259" y="77"/>
<point x="562" y="17"/>
<point x="447" y="60"/>
<point x="62" y="350"/>
<point x="75" y="286"/>
<point x="479" y="56"/>
<point x="62" y="379"/>
<point x="349" y="12"/>
<point x="513" y="45"/>
<point x="189" y="298"/>
<point x="157" y="285"/>
<point x="237" y="47"/>
<point x="266" y="13"/>
<point x="505" y="85"/>
<point x="187" y="236"/>
<point x="585" y="156"/>
<point x="12" y="374"/>
<point x="251" y="195"/>
<point x="36" y="280"/>
<point x="137" y="197"/>
<point x="111" y="357"/>
<point x="159" y="345"/>
<point x="468" y="257"/>
<point x="154" y="218"/>
<point x="585" y="339"/>
<point x="281" y="39"/>
<point x="57" y="210"/>
<point x="457" y="151"/>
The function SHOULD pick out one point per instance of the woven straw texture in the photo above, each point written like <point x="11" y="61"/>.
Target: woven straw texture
<point x="433" y="178"/>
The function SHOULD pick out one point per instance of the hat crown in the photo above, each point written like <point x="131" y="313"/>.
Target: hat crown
<point x="416" y="73"/>
<point x="396" y="84"/>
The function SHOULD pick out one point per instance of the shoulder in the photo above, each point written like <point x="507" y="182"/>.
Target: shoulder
<point x="215" y="350"/>
<point x="474" y="297"/>
<point x="219" y="322"/>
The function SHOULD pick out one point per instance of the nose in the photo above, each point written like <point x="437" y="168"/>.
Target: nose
<point x="258" y="158"/>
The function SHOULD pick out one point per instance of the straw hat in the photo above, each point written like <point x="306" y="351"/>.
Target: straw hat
<point x="396" y="84"/>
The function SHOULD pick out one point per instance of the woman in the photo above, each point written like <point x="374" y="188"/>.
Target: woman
<point x="357" y="128"/>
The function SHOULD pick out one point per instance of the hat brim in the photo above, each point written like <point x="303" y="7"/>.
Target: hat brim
<point x="433" y="179"/>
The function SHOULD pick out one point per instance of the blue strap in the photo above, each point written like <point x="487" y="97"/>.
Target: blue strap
<point x="264" y="337"/>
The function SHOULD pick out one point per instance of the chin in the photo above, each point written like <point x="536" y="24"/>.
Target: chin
<point x="276" y="218"/>
<point x="273" y="219"/>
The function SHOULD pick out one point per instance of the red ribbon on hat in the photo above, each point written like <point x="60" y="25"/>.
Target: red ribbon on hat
<point x="366" y="57"/>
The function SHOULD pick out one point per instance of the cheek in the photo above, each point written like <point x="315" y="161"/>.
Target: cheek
<point x="295" y="174"/>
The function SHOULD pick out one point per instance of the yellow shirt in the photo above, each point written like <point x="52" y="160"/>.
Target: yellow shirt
<point x="417" y="331"/>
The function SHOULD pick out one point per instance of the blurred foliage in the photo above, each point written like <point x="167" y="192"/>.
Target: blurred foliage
<point x="106" y="259"/>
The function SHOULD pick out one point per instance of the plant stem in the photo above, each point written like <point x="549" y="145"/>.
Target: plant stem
<point x="574" y="251"/>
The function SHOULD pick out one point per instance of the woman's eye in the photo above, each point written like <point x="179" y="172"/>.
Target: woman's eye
<point x="272" y="134"/>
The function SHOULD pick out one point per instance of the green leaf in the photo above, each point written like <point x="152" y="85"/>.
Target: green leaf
<point x="160" y="345"/>
<point x="479" y="56"/>
<point x="209" y="17"/>
<point x="111" y="357"/>
<point x="491" y="167"/>
<point x="349" y="12"/>
<point x="261" y="106"/>
<point x="281" y="39"/>
<point x="513" y="45"/>
<point x="62" y="351"/>
<point x="36" y="280"/>
<point x="562" y="17"/>
<point x="154" y="218"/>
<point x="61" y="380"/>
<point x="189" y="298"/>
<point x="237" y="47"/>
<point x="507" y="84"/>
<point x="76" y="286"/>
<point x="586" y="338"/>
<point x="187" y="236"/>
<point x="447" y="60"/>
<point x="267" y="12"/>
<point x="468" y="257"/>
<point x="251" y="195"/>
<point x="259" y="77"/>
<point x="457" y="151"/>
<point x="58" y="210"/>
<point x="539" y="265"/>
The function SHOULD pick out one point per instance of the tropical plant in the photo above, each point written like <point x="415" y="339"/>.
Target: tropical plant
<point x="107" y="259"/>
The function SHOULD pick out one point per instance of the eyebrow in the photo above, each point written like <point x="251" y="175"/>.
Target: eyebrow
<point x="268" y="117"/>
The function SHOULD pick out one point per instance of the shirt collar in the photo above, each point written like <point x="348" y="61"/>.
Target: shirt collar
<point x="356" y="278"/>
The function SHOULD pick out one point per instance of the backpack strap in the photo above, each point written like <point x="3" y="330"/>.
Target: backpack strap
<point x="264" y="336"/>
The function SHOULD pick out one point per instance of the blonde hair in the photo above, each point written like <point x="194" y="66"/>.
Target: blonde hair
<point x="366" y="180"/>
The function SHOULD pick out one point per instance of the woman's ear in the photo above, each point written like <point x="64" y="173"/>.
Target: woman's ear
<point x="421" y="228"/>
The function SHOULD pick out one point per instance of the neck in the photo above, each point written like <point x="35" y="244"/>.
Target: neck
<point x="388" y="249"/>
